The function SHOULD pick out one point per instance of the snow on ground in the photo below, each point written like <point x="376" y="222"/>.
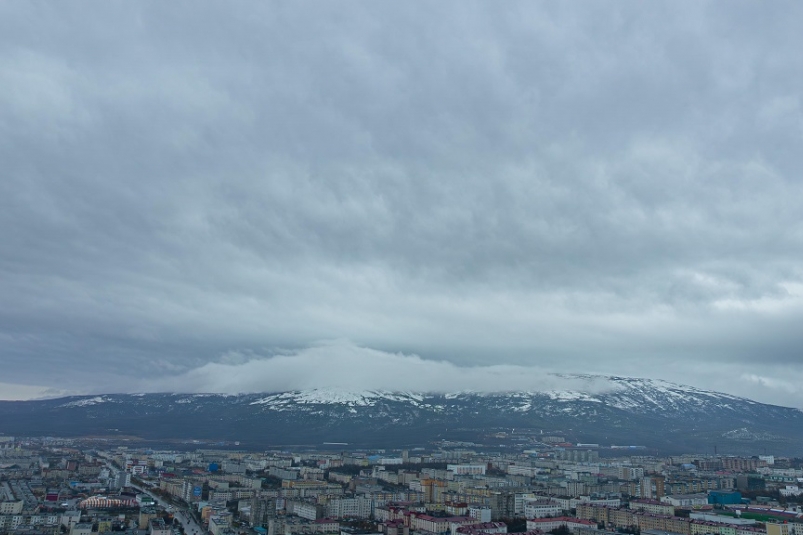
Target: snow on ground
<point x="332" y="396"/>
<point x="87" y="402"/>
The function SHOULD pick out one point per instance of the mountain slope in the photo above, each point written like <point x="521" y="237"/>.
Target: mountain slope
<point x="656" y="414"/>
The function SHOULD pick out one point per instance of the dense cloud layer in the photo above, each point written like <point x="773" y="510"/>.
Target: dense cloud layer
<point x="579" y="187"/>
<point x="342" y="365"/>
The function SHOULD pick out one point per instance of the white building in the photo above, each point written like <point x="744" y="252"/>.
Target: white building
<point x="359" y="507"/>
<point x="518" y="470"/>
<point x="70" y="518"/>
<point x="467" y="469"/>
<point x="83" y="528"/>
<point x="600" y="502"/>
<point x="481" y="513"/>
<point x="548" y="524"/>
<point x="305" y="510"/>
<point x="686" y="500"/>
<point x="791" y="490"/>
<point x="11" y="507"/>
<point x="541" y="509"/>
<point x="630" y="473"/>
<point x="217" y="524"/>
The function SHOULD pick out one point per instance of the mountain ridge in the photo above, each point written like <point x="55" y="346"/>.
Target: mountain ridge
<point x="656" y="414"/>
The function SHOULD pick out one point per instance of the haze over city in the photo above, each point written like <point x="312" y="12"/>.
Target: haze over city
<point x="238" y="197"/>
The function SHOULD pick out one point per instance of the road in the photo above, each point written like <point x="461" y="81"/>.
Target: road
<point x="191" y="527"/>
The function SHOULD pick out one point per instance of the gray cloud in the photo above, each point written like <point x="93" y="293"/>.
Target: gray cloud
<point x="614" y="188"/>
<point x="340" y="364"/>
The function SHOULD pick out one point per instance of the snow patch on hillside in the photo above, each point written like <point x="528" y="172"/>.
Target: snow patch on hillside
<point x="331" y="396"/>
<point x="625" y="393"/>
<point x="87" y="402"/>
<point x="572" y="396"/>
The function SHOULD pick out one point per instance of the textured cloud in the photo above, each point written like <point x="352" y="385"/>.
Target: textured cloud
<point x="343" y="365"/>
<point x="15" y="392"/>
<point x="549" y="186"/>
<point x="340" y="364"/>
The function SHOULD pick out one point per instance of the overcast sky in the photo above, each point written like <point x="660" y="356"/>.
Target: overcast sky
<point x="238" y="196"/>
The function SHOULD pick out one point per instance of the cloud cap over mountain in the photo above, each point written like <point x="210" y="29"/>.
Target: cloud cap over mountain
<point x="586" y="187"/>
<point x="341" y="365"/>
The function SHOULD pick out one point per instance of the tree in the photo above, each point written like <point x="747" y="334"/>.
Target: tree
<point x="515" y="525"/>
<point x="561" y="530"/>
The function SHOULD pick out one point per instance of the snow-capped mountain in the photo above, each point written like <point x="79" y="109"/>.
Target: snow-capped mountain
<point x="613" y="410"/>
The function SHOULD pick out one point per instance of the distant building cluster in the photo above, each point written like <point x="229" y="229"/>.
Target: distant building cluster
<point x="51" y="486"/>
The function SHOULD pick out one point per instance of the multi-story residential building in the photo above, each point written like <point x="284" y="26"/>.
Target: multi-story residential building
<point x="440" y="525"/>
<point x="218" y="524"/>
<point x="304" y="509"/>
<point x="699" y="527"/>
<point x="485" y="528"/>
<point x="356" y="507"/>
<point x="480" y="513"/>
<point x="502" y="504"/>
<point x="157" y="526"/>
<point x="455" y="508"/>
<point x="231" y="494"/>
<point x="11" y="507"/>
<point x="284" y="473"/>
<point x="622" y="518"/>
<point x="649" y="522"/>
<point x="740" y="464"/>
<point x="599" y="501"/>
<point x="691" y="486"/>
<point x="653" y="487"/>
<point x="652" y="506"/>
<point x="579" y="455"/>
<point x="548" y="524"/>
<point x="21" y="522"/>
<point x="82" y="528"/>
<point x="467" y="469"/>
<point x="630" y="473"/>
<point x="262" y="510"/>
<point x="428" y="523"/>
<point x="686" y="500"/>
<point x="774" y="528"/>
<point x="541" y="509"/>
<point x="433" y="489"/>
